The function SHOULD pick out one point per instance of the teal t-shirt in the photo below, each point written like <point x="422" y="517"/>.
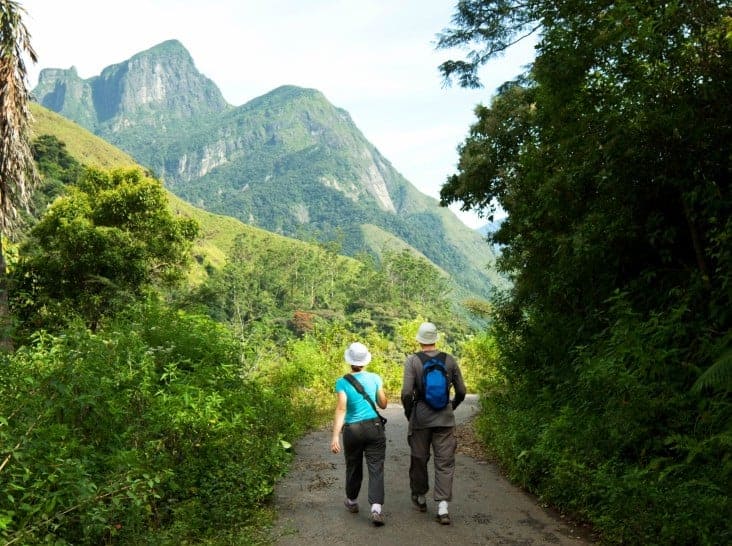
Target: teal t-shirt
<point x="357" y="408"/>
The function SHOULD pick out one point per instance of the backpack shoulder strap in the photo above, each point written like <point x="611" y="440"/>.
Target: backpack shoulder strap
<point x="424" y="357"/>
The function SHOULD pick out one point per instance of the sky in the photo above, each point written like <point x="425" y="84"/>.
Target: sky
<point x="376" y="59"/>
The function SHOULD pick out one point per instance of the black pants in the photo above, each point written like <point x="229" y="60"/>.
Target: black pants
<point x="365" y="439"/>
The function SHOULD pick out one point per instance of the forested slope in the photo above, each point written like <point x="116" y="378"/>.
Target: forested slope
<point x="287" y="161"/>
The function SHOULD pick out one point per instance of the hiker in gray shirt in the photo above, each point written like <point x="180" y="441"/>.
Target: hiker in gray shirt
<point x="430" y="427"/>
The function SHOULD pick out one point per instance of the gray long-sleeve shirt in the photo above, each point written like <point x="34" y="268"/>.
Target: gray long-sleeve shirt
<point x="420" y="414"/>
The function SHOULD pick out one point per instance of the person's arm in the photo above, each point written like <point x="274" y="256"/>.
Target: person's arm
<point x="459" y="385"/>
<point x="381" y="400"/>
<point x="408" y="387"/>
<point x="340" y="416"/>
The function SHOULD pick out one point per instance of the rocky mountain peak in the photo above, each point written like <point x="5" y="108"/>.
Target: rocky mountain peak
<point x="151" y="88"/>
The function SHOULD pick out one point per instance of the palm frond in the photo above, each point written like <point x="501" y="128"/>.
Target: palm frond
<point x="18" y="174"/>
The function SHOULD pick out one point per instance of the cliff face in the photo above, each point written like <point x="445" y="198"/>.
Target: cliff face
<point x="288" y="161"/>
<point x="290" y="133"/>
<point x="154" y="88"/>
<point x="63" y="91"/>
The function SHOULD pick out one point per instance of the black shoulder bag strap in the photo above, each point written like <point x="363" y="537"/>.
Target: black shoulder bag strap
<point x="357" y="385"/>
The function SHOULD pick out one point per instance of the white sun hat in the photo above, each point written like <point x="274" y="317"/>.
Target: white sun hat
<point x="357" y="354"/>
<point x="427" y="333"/>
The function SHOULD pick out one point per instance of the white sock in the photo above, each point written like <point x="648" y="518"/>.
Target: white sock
<point x="351" y="502"/>
<point x="376" y="508"/>
<point x="421" y="499"/>
<point x="442" y="508"/>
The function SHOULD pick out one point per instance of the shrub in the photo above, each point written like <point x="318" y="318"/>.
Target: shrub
<point x="134" y="432"/>
<point x="626" y="444"/>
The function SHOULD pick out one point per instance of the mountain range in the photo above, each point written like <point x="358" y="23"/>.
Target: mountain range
<point x="289" y="161"/>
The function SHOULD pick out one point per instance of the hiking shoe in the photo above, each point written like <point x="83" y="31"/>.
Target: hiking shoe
<point x="422" y="506"/>
<point x="444" y="519"/>
<point x="351" y="507"/>
<point x="377" y="518"/>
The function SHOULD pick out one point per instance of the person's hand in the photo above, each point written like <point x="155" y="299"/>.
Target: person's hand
<point x="335" y="445"/>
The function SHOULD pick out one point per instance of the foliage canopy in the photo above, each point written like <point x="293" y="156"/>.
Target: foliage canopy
<point x="611" y="157"/>
<point x="106" y="240"/>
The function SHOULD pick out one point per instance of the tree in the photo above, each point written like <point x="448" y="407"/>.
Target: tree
<point x="612" y="156"/>
<point x="102" y="244"/>
<point x="17" y="170"/>
<point x="490" y="28"/>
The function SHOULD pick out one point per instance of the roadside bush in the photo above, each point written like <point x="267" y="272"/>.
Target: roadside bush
<point x="145" y="432"/>
<point x="627" y="444"/>
<point x="478" y="357"/>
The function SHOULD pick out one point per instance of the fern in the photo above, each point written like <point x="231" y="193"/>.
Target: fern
<point x="719" y="375"/>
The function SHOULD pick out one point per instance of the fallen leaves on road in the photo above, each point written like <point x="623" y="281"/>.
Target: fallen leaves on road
<point x="468" y="443"/>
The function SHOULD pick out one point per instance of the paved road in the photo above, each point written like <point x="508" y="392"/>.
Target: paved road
<point x="486" y="509"/>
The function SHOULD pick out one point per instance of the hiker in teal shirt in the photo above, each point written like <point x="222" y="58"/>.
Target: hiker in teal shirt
<point x="363" y="431"/>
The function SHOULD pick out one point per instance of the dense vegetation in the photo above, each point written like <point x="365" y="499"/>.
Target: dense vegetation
<point x="107" y="239"/>
<point x="132" y="410"/>
<point x="611" y="157"/>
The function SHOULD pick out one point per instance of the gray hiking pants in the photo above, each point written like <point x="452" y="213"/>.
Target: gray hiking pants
<point x="365" y="439"/>
<point x="443" y="443"/>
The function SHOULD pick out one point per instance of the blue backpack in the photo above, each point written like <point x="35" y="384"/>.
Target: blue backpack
<point x="435" y="385"/>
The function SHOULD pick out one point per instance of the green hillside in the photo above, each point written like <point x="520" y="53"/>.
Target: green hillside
<point x="217" y="232"/>
<point x="80" y="143"/>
